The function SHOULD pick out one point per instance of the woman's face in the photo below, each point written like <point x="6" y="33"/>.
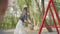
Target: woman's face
<point x="3" y="7"/>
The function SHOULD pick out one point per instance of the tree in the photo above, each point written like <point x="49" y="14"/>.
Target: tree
<point x="3" y="7"/>
<point x="39" y="14"/>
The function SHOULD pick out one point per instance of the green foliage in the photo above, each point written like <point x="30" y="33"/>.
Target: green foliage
<point x="29" y="2"/>
<point x="9" y="22"/>
<point x="36" y="17"/>
<point x="57" y="5"/>
<point x="21" y="3"/>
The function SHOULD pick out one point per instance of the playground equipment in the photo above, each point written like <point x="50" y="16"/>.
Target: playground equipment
<point x="44" y="17"/>
<point x="45" y="14"/>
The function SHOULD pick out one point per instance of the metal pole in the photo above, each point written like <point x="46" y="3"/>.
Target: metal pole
<point x="54" y="20"/>
<point x="44" y="18"/>
<point x="56" y="12"/>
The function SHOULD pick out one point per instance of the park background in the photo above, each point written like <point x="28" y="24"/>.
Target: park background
<point x="36" y="10"/>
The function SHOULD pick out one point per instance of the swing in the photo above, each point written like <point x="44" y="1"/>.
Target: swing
<point x="44" y="17"/>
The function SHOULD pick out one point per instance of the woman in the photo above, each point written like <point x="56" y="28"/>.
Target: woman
<point x="19" y="27"/>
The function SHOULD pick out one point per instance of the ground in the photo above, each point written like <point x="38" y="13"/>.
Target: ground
<point x="31" y="32"/>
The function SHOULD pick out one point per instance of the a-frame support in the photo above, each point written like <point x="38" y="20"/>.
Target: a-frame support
<point x="45" y="14"/>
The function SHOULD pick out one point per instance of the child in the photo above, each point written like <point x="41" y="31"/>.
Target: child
<point x="19" y="27"/>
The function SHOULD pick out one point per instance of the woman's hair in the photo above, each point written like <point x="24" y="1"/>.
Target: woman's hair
<point x="24" y="14"/>
<point x="25" y="8"/>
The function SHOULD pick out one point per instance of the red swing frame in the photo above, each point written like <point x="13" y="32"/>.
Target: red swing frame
<point x="45" y="14"/>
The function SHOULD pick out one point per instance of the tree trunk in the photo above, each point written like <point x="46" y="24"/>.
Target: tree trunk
<point x="3" y="7"/>
<point x="39" y="14"/>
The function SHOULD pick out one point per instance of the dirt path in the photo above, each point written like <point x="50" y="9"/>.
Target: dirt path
<point x="31" y="32"/>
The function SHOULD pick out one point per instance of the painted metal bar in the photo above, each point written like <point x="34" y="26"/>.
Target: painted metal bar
<point x="44" y="17"/>
<point x="54" y="20"/>
<point x="56" y="12"/>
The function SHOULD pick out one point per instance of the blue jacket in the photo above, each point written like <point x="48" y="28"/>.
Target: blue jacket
<point x="24" y="17"/>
